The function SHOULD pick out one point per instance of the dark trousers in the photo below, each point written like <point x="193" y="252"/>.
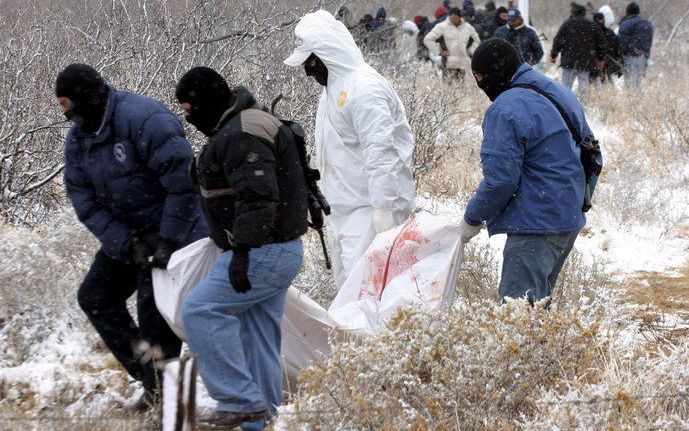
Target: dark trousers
<point x="532" y="264"/>
<point x="103" y="297"/>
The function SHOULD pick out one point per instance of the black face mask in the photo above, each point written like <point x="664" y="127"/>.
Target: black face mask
<point x="319" y="71"/>
<point x="203" y="119"/>
<point x="497" y="61"/>
<point x="88" y="117"/>
<point x="494" y="86"/>
<point x="70" y="115"/>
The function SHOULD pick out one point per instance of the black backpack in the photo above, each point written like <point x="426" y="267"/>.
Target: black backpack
<point x="589" y="146"/>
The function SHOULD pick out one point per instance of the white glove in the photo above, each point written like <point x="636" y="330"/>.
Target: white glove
<point x="382" y="220"/>
<point x="467" y="231"/>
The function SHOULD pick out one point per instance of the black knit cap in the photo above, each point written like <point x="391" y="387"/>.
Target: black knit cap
<point x="78" y="81"/>
<point x="633" y="9"/>
<point x="497" y="61"/>
<point x="85" y="87"/>
<point x="208" y="94"/>
<point x="578" y="10"/>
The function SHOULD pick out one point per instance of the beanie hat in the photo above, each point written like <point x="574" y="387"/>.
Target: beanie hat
<point x="208" y="94"/>
<point x="578" y="10"/>
<point x="497" y="61"/>
<point x="442" y="10"/>
<point x="633" y="9"/>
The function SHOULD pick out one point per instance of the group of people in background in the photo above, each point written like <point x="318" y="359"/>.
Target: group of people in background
<point x="589" y="47"/>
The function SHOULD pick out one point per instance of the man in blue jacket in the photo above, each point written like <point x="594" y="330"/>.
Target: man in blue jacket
<point x="533" y="185"/>
<point x="126" y="173"/>
<point x="636" y="40"/>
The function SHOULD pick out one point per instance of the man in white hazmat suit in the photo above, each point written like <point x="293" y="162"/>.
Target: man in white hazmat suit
<point x="364" y="144"/>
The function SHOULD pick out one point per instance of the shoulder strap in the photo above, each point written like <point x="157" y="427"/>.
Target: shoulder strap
<point x="573" y="130"/>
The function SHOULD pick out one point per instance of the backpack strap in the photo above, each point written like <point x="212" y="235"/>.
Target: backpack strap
<point x="573" y="130"/>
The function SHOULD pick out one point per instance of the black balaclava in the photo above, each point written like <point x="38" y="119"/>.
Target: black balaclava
<point x="497" y="60"/>
<point x="319" y="71"/>
<point x="209" y="96"/>
<point x="490" y="6"/>
<point x="498" y="12"/>
<point x="633" y="9"/>
<point x="599" y="19"/>
<point x="84" y="86"/>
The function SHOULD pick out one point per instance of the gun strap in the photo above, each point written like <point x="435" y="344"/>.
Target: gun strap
<point x="573" y="130"/>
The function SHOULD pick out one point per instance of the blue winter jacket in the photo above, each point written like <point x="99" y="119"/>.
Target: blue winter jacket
<point x="533" y="178"/>
<point x="132" y="176"/>
<point x="635" y="34"/>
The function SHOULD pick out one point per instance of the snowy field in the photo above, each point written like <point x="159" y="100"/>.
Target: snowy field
<point x="612" y="353"/>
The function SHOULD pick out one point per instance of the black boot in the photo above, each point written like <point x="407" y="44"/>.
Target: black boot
<point x="227" y="420"/>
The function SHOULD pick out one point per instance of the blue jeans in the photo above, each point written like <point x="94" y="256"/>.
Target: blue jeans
<point x="236" y="336"/>
<point x="568" y="77"/>
<point x="634" y="69"/>
<point x="532" y="263"/>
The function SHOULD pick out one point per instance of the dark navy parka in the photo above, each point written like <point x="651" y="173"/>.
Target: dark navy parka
<point x="131" y="177"/>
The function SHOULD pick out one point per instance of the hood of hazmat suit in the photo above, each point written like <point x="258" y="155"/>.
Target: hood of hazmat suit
<point x="364" y="144"/>
<point x="608" y="14"/>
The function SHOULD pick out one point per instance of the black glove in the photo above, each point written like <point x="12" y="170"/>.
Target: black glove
<point x="140" y="252"/>
<point x="161" y="257"/>
<point x="238" y="270"/>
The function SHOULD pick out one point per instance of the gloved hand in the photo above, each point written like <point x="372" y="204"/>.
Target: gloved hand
<point x="140" y="252"/>
<point x="382" y="220"/>
<point x="467" y="231"/>
<point x="238" y="270"/>
<point x="161" y="257"/>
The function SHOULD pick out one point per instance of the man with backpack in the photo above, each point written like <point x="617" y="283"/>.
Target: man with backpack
<point x="538" y="172"/>
<point x="254" y="195"/>
<point x="126" y="174"/>
<point x="364" y="144"/>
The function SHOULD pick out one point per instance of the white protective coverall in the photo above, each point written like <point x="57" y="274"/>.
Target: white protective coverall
<point x="364" y="144"/>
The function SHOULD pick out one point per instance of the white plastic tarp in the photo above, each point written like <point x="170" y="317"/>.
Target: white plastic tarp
<point x="415" y="264"/>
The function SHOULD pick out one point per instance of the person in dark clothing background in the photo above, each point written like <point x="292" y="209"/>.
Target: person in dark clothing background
<point x="613" y="57"/>
<point x="580" y="42"/>
<point x="126" y="173"/>
<point x="254" y="196"/>
<point x="424" y="26"/>
<point x="636" y="40"/>
<point x="522" y="37"/>
<point x="487" y="29"/>
<point x="485" y="15"/>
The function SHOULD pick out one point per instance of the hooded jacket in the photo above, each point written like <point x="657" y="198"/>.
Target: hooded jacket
<point x="251" y="179"/>
<point x="533" y="178"/>
<point x="131" y="177"/>
<point x="461" y="41"/>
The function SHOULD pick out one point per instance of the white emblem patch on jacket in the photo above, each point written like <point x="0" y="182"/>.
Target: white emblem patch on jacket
<point x="120" y="152"/>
